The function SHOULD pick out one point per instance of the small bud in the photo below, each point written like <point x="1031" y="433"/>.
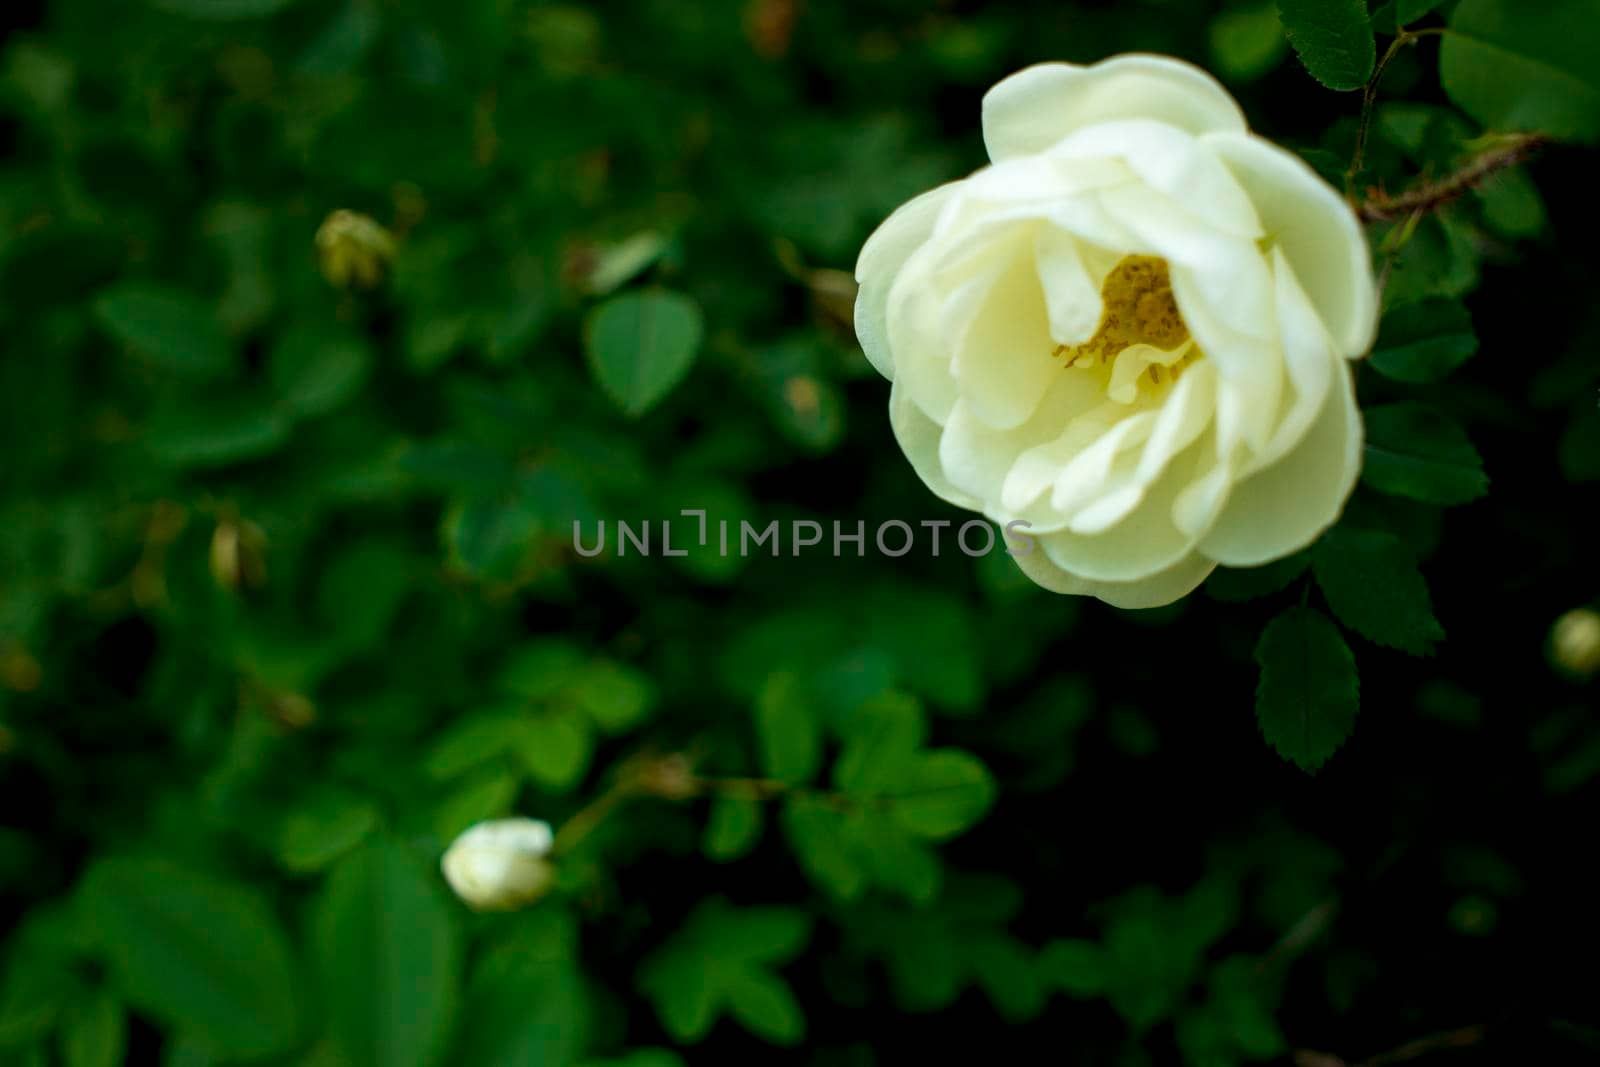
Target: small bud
<point x="1575" y="642"/>
<point x="353" y="249"/>
<point x="500" y="865"/>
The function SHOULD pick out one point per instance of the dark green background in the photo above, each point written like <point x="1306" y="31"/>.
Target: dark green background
<point x="226" y="781"/>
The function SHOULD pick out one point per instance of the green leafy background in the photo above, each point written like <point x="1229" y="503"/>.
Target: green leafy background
<point x="323" y="321"/>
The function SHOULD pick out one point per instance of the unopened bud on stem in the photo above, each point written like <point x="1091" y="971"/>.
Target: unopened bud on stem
<point x="500" y="865"/>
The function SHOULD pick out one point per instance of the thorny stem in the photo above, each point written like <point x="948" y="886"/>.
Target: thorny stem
<point x="1429" y="195"/>
<point x="1369" y="96"/>
<point x="1466" y="1037"/>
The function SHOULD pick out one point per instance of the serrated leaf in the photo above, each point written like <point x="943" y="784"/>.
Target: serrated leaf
<point x="1333" y="39"/>
<point x="389" y="958"/>
<point x="641" y="344"/>
<point x="196" y="952"/>
<point x="1425" y="341"/>
<point x="1519" y="66"/>
<point x="168" y="326"/>
<point x="1414" y="451"/>
<point x="1308" y="696"/>
<point x="1373" y="585"/>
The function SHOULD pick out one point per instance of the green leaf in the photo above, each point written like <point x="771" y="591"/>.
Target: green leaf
<point x="94" y="1033"/>
<point x="881" y="738"/>
<point x="764" y="1006"/>
<point x="521" y="1013"/>
<point x="1425" y="341"/>
<point x="1246" y="42"/>
<point x="217" y="433"/>
<point x="167" y="326"/>
<point x="1309" y="693"/>
<point x="1077" y="967"/>
<point x="1519" y="66"/>
<point x="388" y="956"/>
<point x="814" y="833"/>
<point x="732" y="828"/>
<point x="314" y="370"/>
<point x="640" y="345"/>
<point x="1373" y="585"/>
<point x="614" y="695"/>
<point x="722" y="960"/>
<point x="556" y="747"/>
<point x="1332" y="38"/>
<point x="1389" y="17"/>
<point x="944" y="792"/>
<point x="789" y="735"/>
<point x="324" y="826"/>
<point x="198" y="953"/>
<point x="1414" y="451"/>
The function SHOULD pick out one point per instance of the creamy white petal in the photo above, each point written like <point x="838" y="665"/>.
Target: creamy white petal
<point x="1071" y="286"/>
<point x="1309" y="360"/>
<point x="1185" y="413"/>
<point x="1142" y="540"/>
<point x="1085" y="476"/>
<point x="1003" y="359"/>
<point x="1156" y="591"/>
<point x="1250" y="367"/>
<point x="978" y="458"/>
<point x="1172" y="162"/>
<point x="918" y="437"/>
<point x="1285" y="507"/>
<point x="921" y="352"/>
<point x="885" y="252"/>
<point x="1036" y="107"/>
<point x="1315" y="228"/>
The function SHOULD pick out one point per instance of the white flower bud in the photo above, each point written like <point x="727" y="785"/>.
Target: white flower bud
<point x="500" y="865"/>
<point x="1575" y="642"/>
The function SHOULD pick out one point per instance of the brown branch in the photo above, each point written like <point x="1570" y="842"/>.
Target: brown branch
<point x="1510" y="150"/>
<point x="1466" y="1037"/>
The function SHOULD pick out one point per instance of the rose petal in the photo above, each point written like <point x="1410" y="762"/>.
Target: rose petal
<point x="1173" y="163"/>
<point x="1036" y="107"/>
<point x="1285" y="507"/>
<point x="885" y="252"/>
<point x="919" y="437"/>
<point x="1156" y="591"/>
<point x="1003" y="358"/>
<point x="1316" y="229"/>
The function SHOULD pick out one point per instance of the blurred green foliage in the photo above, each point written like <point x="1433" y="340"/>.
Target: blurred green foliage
<point x="324" y="321"/>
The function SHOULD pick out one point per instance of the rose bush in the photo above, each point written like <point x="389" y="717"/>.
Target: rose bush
<point x="1130" y="331"/>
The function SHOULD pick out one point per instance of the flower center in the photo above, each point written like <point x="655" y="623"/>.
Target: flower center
<point x="1141" y="335"/>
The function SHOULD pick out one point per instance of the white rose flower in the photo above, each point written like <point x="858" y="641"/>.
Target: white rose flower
<point x="501" y="864"/>
<point x="1129" y="331"/>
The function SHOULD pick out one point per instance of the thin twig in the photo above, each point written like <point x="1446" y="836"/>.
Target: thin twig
<point x="1369" y="96"/>
<point x="1466" y="1037"/>
<point x="1428" y="196"/>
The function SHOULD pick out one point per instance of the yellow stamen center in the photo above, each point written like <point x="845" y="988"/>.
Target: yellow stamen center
<point x="1139" y="309"/>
